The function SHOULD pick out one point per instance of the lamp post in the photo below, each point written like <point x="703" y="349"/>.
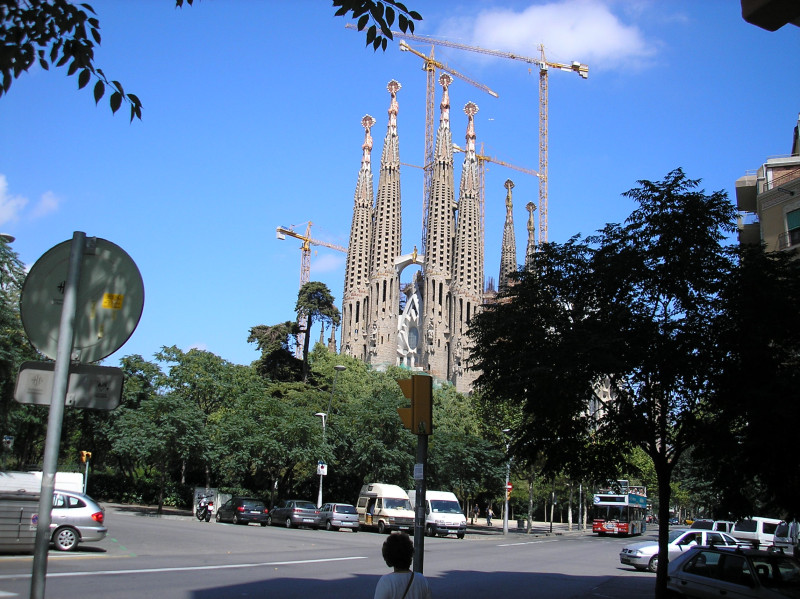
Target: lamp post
<point x="325" y="415"/>
<point x="505" y="489"/>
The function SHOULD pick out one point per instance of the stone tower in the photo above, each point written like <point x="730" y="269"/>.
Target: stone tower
<point x="439" y="247"/>
<point x="531" y="248"/>
<point x="447" y="290"/>
<point x="508" y="253"/>
<point x="384" y="279"/>
<point x="355" y="297"/>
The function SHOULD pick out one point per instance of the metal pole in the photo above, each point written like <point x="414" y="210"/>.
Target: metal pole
<point x="505" y="490"/>
<point x="419" y="505"/>
<point x="86" y="478"/>
<point x="66" y="332"/>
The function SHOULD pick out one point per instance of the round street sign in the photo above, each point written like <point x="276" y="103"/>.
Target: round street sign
<point x="509" y="486"/>
<point x="110" y="300"/>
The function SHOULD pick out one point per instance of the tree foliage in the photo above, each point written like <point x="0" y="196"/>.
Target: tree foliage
<point x="377" y="15"/>
<point x="613" y="340"/>
<point x="315" y="304"/>
<point x="277" y="361"/>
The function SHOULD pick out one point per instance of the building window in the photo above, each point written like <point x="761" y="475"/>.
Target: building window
<point x="793" y="225"/>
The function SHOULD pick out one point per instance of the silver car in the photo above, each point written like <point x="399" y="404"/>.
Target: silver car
<point x="76" y="518"/>
<point x="334" y="516"/>
<point x="294" y="512"/>
<point x="644" y="555"/>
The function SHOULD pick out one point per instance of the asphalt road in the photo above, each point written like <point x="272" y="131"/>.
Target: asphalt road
<point x="178" y="557"/>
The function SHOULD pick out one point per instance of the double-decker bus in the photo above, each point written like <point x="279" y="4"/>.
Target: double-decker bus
<point x="620" y="511"/>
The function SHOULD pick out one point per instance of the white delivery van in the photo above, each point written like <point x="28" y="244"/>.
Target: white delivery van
<point x="443" y="514"/>
<point x="787" y="537"/>
<point x="385" y="507"/>
<point x="759" y="532"/>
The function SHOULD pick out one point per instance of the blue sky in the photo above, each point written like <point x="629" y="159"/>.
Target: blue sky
<point x="252" y="116"/>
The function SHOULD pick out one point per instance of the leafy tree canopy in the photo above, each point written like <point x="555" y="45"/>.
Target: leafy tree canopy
<point x="378" y="14"/>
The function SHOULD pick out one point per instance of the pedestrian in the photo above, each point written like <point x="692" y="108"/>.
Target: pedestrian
<point x="476" y="511"/>
<point x="489" y="515"/>
<point x="402" y="583"/>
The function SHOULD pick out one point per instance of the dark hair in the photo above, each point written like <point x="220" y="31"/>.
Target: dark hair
<point x="398" y="550"/>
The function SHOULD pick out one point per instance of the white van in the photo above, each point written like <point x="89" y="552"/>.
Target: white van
<point x="443" y="515"/>
<point x="787" y="537"/>
<point x="759" y="532"/>
<point x="385" y="507"/>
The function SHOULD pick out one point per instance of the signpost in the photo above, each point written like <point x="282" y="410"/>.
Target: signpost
<point x="81" y="301"/>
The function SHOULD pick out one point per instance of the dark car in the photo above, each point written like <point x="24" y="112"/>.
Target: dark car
<point x="295" y="512"/>
<point x="243" y="510"/>
<point x="730" y="572"/>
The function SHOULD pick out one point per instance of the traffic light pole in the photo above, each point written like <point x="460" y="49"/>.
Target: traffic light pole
<point x="419" y="504"/>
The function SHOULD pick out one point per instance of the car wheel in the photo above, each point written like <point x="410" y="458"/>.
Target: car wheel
<point x="460" y="535"/>
<point x="652" y="565"/>
<point x="381" y="527"/>
<point x="269" y="520"/>
<point x="288" y="522"/>
<point x="66" y="539"/>
<point x="329" y="526"/>
<point x="263" y="523"/>
<point x="235" y="519"/>
<point x="429" y="531"/>
<point x="354" y="529"/>
<point x="216" y="518"/>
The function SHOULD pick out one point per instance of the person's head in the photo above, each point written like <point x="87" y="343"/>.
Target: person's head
<point x="398" y="551"/>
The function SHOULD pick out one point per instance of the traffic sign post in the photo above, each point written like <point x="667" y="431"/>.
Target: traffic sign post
<point x="81" y="300"/>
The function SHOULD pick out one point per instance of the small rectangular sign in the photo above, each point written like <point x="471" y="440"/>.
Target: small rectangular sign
<point x="89" y="386"/>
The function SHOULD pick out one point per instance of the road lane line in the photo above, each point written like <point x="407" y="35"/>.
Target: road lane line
<point x="528" y="543"/>
<point x="188" y="568"/>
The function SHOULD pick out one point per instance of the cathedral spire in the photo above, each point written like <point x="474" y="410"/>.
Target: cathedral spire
<point x="531" y="249"/>
<point x="355" y="299"/>
<point x="508" y="253"/>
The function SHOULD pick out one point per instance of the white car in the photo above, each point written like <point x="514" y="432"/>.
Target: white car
<point x="644" y="555"/>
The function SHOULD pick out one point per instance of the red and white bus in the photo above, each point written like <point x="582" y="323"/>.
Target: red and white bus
<point x="620" y="511"/>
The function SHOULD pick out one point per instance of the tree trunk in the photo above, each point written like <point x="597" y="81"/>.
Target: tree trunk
<point x="663" y="475"/>
<point x="306" y="341"/>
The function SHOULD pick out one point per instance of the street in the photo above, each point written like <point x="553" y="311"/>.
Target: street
<point x="178" y="557"/>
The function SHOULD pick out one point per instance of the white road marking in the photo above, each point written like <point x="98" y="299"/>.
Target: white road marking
<point x="188" y="568"/>
<point x="528" y="543"/>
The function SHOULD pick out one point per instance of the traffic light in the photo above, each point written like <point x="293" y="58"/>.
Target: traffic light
<point x="419" y="417"/>
<point x="86" y="456"/>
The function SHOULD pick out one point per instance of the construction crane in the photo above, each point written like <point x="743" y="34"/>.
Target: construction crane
<point x="305" y="268"/>
<point x="482" y="160"/>
<point x="544" y="67"/>
<point x="430" y="65"/>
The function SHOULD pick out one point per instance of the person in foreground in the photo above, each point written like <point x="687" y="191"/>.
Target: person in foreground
<point x="402" y="583"/>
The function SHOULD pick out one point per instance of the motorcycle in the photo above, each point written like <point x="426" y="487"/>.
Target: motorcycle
<point x="205" y="508"/>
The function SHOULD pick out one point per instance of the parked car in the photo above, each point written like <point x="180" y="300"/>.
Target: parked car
<point x="729" y="572"/>
<point x="242" y="510"/>
<point x="644" y="554"/>
<point x="334" y="516"/>
<point x="76" y="518"/>
<point x="720" y="525"/>
<point x="295" y="512"/>
<point x="759" y="532"/>
<point x="787" y="537"/>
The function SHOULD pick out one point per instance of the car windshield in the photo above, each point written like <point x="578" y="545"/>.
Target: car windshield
<point x="345" y="509"/>
<point x="676" y="534"/>
<point x="305" y="505"/>
<point x="703" y="524"/>
<point x="253" y="505"/>
<point x="441" y="506"/>
<point x="392" y="503"/>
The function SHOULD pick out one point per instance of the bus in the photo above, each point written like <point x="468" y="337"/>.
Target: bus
<point x="619" y="511"/>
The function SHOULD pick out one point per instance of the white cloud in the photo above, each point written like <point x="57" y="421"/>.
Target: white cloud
<point x="10" y="205"/>
<point x="328" y="262"/>
<point x="583" y="30"/>
<point x="47" y="204"/>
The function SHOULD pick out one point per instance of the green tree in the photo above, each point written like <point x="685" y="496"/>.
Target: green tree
<point x="277" y="361"/>
<point x="617" y="341"/>
<point x="378" y="14"/>
<point x="755" y="392"/>
<point x="315" y="304"/>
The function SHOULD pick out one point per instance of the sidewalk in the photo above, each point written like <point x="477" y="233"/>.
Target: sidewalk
<point x="538" y="529"/>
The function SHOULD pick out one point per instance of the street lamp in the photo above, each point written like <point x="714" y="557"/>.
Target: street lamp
<point x="325" y="415"/>
<point x="508" y="475"/>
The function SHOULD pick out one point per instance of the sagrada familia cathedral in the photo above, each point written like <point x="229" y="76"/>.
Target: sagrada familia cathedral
<point x="422" y="326"/>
